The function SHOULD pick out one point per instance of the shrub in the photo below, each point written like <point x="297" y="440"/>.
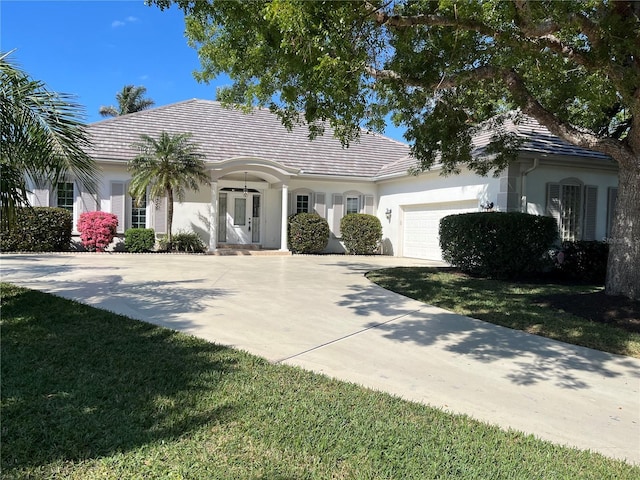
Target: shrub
<point x="493" y="244"/>
<point x="139" y="240"/>
<point x="361" y="233"/>
<point x="307" y="233"/>
<point x="39" y="229"/>
<point x="584" y="261"/>
<point x="187" y="242"/>
<point x="97" y="230"/>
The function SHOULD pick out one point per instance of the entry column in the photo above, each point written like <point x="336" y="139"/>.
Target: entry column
<point x="213" y="217"/>
<point x="284" y="226"/>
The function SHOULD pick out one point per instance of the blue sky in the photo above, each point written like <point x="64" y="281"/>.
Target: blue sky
<point x="91" y="49"/>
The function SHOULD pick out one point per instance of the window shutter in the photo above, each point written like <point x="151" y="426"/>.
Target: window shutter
<point x="41" y="197"/>
<point x="160" y="215"/>
<point x="320" y="206"/>
<point x="612" y="197"/>
<point x="338" y="213"/>
<point x="368" y="204"/>
<point x="553" y="201"/>
<point x="118" y="206"/>
<point x="590" y="207"/>
<point x="88" y="202"/>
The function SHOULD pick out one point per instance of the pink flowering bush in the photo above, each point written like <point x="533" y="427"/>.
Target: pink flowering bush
<point x="97" y="230"/>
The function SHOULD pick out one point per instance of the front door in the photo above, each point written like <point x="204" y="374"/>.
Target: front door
<point x="239" y="218"/>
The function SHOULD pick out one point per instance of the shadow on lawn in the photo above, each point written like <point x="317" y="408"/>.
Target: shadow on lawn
<point x="80" y="383"/>
<point x="535" y="359"/>
<point x="163" y="302"/>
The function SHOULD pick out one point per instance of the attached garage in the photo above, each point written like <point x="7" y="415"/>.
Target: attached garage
<point x="420" y="225"/>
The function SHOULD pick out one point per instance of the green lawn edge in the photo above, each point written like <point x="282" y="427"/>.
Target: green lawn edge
<point x="509" y="304"/>
<point x="89" y="394"/>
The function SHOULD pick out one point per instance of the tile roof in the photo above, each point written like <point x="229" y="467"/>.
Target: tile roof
<point x="225" y="133"/>
<point x="536" y="138"/>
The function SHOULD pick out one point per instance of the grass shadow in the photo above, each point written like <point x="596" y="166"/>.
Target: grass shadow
<point x="79" y="383"/>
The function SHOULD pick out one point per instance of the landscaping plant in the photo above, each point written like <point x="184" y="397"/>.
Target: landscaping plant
<point x="361" y="233"/>
<point x="188" y="242"/>
<point x="138" y="240"/>
<point x="97" y="230"/>
<point x="495" y="244"/>
<point x="307" y="233"/>
<point x="38" y="229"/>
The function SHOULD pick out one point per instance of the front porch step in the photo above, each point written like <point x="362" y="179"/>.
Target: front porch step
<point x="239" y="246"/>
<point x="227" y="251"/>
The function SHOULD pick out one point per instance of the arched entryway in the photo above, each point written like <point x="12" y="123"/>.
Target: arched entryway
<point x="249" y="203"/>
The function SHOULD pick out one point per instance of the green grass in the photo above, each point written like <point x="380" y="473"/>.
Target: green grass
<point x="508" y="304"/>
<point x="88" y="394"/>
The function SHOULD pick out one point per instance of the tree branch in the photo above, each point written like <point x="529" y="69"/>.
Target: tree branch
<point x="529" y="105"/>
<point x="381" y="17"/>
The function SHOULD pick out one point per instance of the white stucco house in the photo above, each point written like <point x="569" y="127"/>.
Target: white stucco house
<point x="261" y="173"/>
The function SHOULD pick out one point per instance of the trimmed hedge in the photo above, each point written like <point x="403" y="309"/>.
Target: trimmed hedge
<point x="307" y="233"/>
<point x="138" y="240"/>
<point x="584" y="261"/>
<point x="361" y="233"/>
<point x="495" y="244"/>
<point x="38" y="229"/>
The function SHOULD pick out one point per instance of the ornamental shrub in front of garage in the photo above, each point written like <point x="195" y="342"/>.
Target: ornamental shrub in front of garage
<point x="307" y="233"/>
<point x="495" y="244"/>
<point x="361" y="233"/>
<point x="38" y="229"/>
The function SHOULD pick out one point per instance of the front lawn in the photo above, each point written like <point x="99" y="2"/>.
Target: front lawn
<point x="88" y="394"/>
<point x="539" y="308"/>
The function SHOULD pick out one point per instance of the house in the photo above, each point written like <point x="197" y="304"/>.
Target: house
<point x="261" y="173"/>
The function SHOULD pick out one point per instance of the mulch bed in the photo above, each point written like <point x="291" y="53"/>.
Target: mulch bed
<point x="598" y="307"/>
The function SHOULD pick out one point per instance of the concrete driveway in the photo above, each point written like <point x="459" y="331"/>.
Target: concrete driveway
<point x="320" y="313"/>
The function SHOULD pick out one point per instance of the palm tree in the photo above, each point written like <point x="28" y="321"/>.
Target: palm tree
<point x="42" y="139"/>
<point x="167" y="166"/>
<point x="130" y="100"/>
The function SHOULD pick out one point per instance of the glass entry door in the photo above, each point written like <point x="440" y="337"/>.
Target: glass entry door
<point x="239" y="218"/>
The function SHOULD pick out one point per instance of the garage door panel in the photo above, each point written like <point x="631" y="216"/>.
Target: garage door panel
<point x="421" y="224"/>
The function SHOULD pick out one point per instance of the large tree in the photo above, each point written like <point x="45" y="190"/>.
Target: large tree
<point x="442" y="68"/>
<point x="166" y="167"/>
<point x="130" y="100"/>
<point x="42" y="139"/>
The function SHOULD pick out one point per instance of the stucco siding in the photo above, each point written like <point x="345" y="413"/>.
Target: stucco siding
<point x="536" y="190"/>
<point x="429" y="188"/>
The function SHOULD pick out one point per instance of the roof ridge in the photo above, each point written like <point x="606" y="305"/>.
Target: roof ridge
<point x="146" y="110"/>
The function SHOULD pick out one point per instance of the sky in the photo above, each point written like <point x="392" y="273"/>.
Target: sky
<point x="91" y="49"/>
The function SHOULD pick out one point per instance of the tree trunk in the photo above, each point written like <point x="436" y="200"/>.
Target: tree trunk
<point x="623" y="269"/>
<point x="169" y="217"/>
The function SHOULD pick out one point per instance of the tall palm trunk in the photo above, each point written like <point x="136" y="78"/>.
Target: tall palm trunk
<point x="169" y="216"/>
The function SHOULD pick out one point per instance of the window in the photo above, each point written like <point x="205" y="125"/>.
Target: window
<point x="353" y="205"/>
<point x="65" y="196"/>
<point x="139" y="213"/>
<point x="240" y="212"/>
<point x="570" y="212"/>
<point x="303" y="203"/>
<point x="573" y="205"/>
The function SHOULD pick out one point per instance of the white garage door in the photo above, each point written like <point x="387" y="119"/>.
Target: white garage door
<point x="420" y="227"/>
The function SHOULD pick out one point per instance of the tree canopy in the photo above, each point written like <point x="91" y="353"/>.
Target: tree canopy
<point x="441" y="69"/>
<point x="42" y="138"/>
<point x="130" y="100"/>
